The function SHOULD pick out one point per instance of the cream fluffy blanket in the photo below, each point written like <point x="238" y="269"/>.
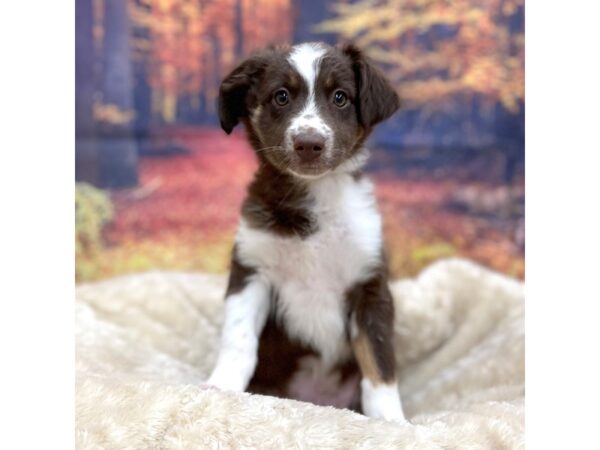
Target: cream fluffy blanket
<point x="145" y="343"/>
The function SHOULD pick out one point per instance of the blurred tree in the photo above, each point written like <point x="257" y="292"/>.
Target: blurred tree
<point x="115" y="112"/>
<point x="458" y="66"/>
<point x="308" y="13"/>
<point x="437" y="48"/>
<point x="189" y="45"/>
<point x="142" y="91"/>
<point x="86" y="152"/>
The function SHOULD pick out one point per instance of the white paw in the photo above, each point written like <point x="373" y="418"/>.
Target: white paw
<point x="381" y="401"/>
<point x="226" y="381"/>
<point x="394" y="416"/>
<point x="392" y="412"/>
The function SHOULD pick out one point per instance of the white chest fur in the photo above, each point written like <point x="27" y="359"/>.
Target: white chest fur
<point x="311" y="275"/>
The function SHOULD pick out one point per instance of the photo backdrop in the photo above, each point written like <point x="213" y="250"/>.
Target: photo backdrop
<point x="159" y="185"/>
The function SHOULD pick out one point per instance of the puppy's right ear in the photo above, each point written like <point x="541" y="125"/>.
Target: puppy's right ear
<point x="236" y="89"/>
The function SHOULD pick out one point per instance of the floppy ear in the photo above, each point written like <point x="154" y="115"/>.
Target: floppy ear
<point x="235" y="90"/>
<point x="377" y="100"/>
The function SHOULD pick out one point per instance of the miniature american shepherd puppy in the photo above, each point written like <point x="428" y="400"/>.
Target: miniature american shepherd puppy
<point x="308" y="311"/>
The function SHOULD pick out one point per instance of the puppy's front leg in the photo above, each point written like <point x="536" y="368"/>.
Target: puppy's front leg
<point x="371" y="333"/>
<point x="246" y="310"/>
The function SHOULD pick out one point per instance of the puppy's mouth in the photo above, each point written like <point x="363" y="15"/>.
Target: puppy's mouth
<point x="309" y="168"/>
<point x="303" y="166"/>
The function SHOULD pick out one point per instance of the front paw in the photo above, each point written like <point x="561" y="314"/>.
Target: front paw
<point x="225" y="382"/>
<point x="394" y="416"/>
<point x="382" y="402"/>
<point x="390" y="411"/>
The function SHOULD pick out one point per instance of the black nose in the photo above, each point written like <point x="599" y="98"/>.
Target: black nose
<point x="309" y="145"/>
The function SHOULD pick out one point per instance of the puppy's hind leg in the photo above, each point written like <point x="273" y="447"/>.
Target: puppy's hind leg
<point x="371" y="333"/>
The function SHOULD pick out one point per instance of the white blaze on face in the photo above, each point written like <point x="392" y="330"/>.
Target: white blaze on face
<point x="306" y="58"/>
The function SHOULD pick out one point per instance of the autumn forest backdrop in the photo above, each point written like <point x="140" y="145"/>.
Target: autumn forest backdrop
<point x="159" y="185"/>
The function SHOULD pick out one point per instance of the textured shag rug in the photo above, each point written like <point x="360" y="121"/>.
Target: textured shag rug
<point x="145" y="344"/>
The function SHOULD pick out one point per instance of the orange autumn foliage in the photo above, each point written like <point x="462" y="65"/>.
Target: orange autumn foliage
<point x="436" y="48"/>
<point x="191" y="44"/>
<point x="185" y="212"/>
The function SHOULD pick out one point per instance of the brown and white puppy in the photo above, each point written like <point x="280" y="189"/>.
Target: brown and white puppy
<point x="308" y="312"/>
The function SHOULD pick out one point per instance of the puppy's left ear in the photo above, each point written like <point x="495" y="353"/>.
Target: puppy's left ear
<point x="377" y="100"/>
<point x="235" y="93"/>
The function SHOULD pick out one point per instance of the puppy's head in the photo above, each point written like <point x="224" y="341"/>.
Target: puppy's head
<point x="308" y="108"/>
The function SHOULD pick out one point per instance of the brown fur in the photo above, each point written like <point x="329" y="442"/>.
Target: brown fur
<point x="279" y="202"/>
<point x="238" y="275"/>
<point x="377" y="99"/>
<point x="253" y="83"/>
<point x="372" y="308"/>
<point x="278" y="361"/>
<point x="363" y="353"/>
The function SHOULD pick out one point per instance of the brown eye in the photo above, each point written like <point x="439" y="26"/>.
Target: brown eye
<point x="340" y="98"/>
<point x="282" y="97"/>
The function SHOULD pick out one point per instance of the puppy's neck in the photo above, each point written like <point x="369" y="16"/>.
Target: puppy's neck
<point x="287" y="204"/>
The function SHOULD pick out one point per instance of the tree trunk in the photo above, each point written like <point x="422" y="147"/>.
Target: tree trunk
<point x="307" y="13"/>
<point x="86" y="151"/>
<point x="142" y="93"/>
<point x="118" y="149"/>
<point x="238" y="29"/>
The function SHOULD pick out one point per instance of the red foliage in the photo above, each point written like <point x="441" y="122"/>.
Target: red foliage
<point x="193" y="200"/>
<point x="196" y="193"/>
